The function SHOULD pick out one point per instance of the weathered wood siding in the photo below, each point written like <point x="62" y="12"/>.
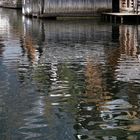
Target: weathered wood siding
<point x="127" y="5"/>
<point x="27" y="7"/>
<point x="11" y="3"/>
<point x="130" y="6"/>
<point x="65" y="7"/>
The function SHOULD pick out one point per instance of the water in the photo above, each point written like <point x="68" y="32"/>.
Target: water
<point x="68" y="80"/>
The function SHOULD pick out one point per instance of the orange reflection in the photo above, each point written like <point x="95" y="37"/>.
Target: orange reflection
<point x="97" y="93"/>
<point x="29" y="47"/>
<point x="95" y="90"/>
<point x="129" y="40"/>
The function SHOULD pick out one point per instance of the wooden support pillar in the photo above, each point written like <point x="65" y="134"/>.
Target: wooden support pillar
<point x="115" y="33"/>
<point x="115" y="6"/>
<point x="115" y="19"/>
<point x="121" y="19"/>
<point x="137" y="19"/>
<point x="110" y="18"/>
<point x="42" y="7"/>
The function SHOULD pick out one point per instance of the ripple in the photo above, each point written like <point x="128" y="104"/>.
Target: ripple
<point x="68" y="79"/>
<point x="4" y="82"/>
<point x="128" y="70"/>
<point x="34" y="122"/>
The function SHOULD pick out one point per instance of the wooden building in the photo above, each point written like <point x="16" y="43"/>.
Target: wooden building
<point x="11" y="3"/>
<point x="125" y="6"/>
<point x="124" y="11"/>
<point x="54" y="8"/>
<point x="130" y="5"/>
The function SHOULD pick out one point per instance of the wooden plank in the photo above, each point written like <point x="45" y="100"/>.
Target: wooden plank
<point x="122" y="14"/>
<point x="123" y="17"/>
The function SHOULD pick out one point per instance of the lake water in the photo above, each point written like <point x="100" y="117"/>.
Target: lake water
<point x="68" y="79"/>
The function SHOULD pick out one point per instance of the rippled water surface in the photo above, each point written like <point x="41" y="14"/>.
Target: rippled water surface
<point x="68" y="80"/>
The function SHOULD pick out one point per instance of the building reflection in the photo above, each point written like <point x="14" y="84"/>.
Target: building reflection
<point x="71" y="82"/>
<point x="129" y="39"/>
<point x="106" y="108"/>
<point x="97" y="109"/>
<point x="31" y="46"/>
<point x="1" y="47"/>
<point x="58" y="75"/>
<point x="102" y="107"/>
<point x="4" y="76"/>
<point x="128" y="66"/>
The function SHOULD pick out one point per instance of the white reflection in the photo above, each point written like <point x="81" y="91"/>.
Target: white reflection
<point x="34" y="117"/>
<point x="128" y="69"/>
<point x="55" y="104"/>
<point x="4" y="25"/>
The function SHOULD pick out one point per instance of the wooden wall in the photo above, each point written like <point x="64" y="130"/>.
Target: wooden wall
<point x="11" y="3"/>
<point x="66" y="7"/>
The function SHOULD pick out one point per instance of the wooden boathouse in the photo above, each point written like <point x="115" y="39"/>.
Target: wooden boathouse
<point x="124" y="11"/>
<point x="70" y="8"/>
<point x="11" y="3"/>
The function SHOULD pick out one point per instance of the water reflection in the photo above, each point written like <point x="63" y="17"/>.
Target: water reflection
<point x="68" y="79"/>
<point x="128" y="69"/>
<point x="98" y="108"/>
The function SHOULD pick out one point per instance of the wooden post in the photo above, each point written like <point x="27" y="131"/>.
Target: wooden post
<point x="115" y="33"/>
<point x="110" y="18"/>
<point x="115" y="6"/>
<point x="42" y="6"/>
<point x="137" y="9"/>
<point x="121" y="19"/>
<point x="115" y="19"/>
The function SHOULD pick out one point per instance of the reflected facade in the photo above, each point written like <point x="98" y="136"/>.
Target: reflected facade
<point x="68" y="80"/>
